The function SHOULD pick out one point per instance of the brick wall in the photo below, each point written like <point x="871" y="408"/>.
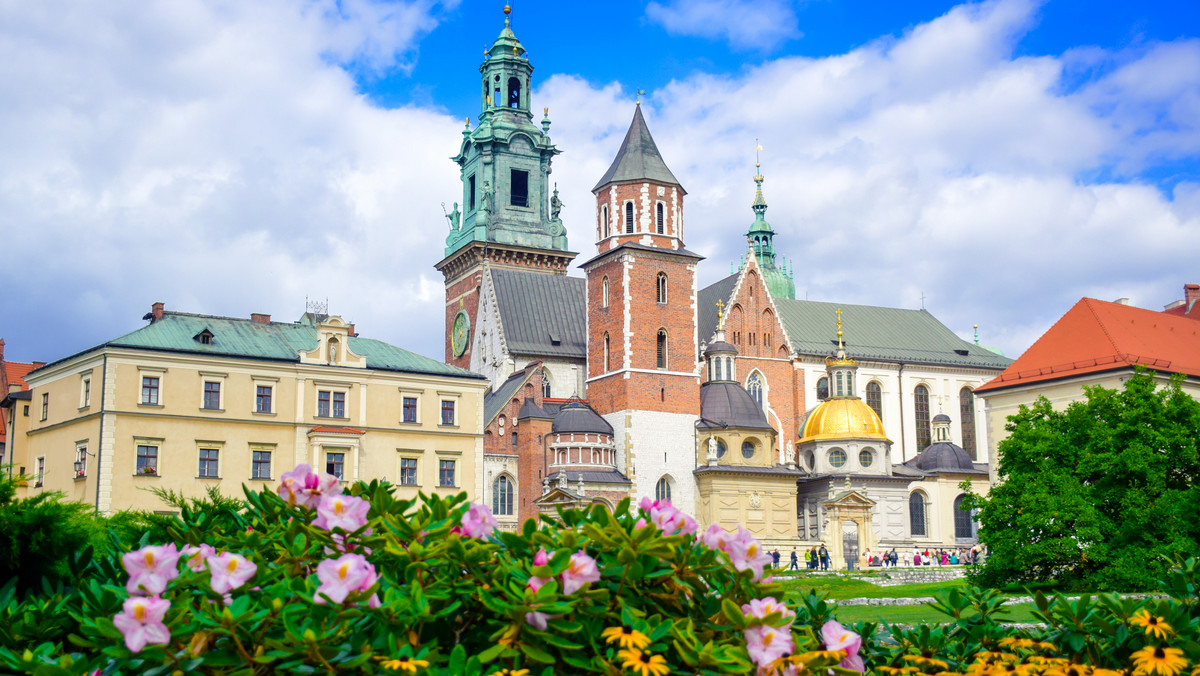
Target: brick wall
<point x="645" y="198"/>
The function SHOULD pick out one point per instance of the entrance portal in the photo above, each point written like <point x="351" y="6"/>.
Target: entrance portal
<point x="850" y="543"/>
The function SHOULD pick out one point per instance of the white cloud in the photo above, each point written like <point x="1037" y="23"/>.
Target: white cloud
<point x="744" y="24"/>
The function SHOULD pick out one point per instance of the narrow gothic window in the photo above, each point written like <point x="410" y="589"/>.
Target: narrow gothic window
<point x="629" y="217"/>
<point x="916" y="515"/>
<point x="604" y="289"/>
<point x="545" y="385"/>
<point x="662" y="349"/>
<point x="607" y="368"/>
<point x="823" y="389"/>
<point x="604" y="222"/>
<point x="755" y="387"/>
<point x="471" y="193"/>
<point x="964" y="526"/>
<point x="502" y="496"/>
<point x="921" y="404"/>
<point x="717" y="375"/>
<point x="660" y="218"/>
<point x="661" y="288"/>
<point x="875" y="398"/>
<point x="514" y="92"/>
<point x="662" y="490"/>
<point x="966" y="408"/>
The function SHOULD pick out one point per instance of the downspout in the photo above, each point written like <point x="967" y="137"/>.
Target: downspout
<point x="100" y="441"/>
<point x="900" y="397"/>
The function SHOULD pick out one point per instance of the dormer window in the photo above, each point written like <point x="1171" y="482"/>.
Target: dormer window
<point x="205" y="337"/>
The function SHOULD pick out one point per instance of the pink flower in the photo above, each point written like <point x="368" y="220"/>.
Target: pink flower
<point x="761" y="608"/>
<point x="747" y="554"/>
<point x="583" y="569"/>
<point x="345" y="574"/>
<point x="304" y="487"/>
<point x="669" y="520"/>
<point x="150" y="568"/>
<point x="714" y="538"/>
<point x="342" y="511"/>
<point x="837" y="637"/>
<point x="196" y="556"/>
<point x="141" y="622"/>
<point x="767" y="644"/>
<point x="230" y="571"/>
<point x="539" y="559"/>
<point x="478" y="522"/>
<point x="537" y="620"/>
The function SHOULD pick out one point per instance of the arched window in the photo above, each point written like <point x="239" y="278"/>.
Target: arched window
<point x="545" y="384"/>
<point x="875" y="398"/>
<point x="607" y="366"/>
<point x="661" y="353"/>
<point x="823" y="388"/>
<point x="629" y="217"/>
<point x="966" y="411"/>
<point x="604" y="222"/>
<point x="729" y="373"/>
<point x="921" y="404"/>
<point x="754" y="385"/>
<point x="964" y="524"/>
<point x="604" y="292"/>
<point x="916" y="515"/>
<point x="849" y="384"/>
<point x="717" y="371"/>
<point x="514" y="92"/>
<point x="661" y="228"/>
<point x="502" y="496"/>
<point x="841" y="389"/>
<point x="662" y="489"/>
<point x="496" y="92"/>
<point x="661" y="288"/>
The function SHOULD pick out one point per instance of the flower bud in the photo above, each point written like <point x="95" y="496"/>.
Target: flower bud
<point x="310" y="636"/>
<point x="277" y="605"/>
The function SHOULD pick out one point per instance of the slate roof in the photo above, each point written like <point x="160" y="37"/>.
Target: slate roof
<point x="944" y="456"/>
<point x="273" y="341"/>
<point x="728" y="404"/>
<point x="743" y="469"/>
<point x="1096" y="335"/>
<point x="542" y="314"/>
<point x="873" y="333"/>
<point x="494" y="400"/>
<point x="638" y="159"/>
<point x="596" y="477"/>
<point x="576" y="416"/>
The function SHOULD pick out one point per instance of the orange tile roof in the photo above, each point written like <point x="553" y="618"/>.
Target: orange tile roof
<point x="328" y="429"/>
<point x="16" y="372"/>
<point x="1096" y="335"/>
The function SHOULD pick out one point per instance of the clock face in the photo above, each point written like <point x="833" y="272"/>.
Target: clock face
<point x="460" y="333"/>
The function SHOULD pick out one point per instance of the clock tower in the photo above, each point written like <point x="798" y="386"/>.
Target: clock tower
<point x="509" y="213"/>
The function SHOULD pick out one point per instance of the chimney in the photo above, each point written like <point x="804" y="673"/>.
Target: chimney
<point x="1191" y="294"/>
<point x="1122" y="301"/>
<point x="1" y="350"/>
<point x="156" y="311"/>
<point x="38" y="364"/>
<point x="352" y="332"/>
<point x="260" y="318"/>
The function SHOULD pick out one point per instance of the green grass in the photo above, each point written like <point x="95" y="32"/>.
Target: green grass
<point x="919" y="614"/>
<point x="849" y="587"/>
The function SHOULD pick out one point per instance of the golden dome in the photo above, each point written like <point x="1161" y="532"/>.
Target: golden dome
<point x="843" y="418"/>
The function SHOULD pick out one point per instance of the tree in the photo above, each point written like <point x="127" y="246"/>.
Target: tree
<point x="1100" y="496"/>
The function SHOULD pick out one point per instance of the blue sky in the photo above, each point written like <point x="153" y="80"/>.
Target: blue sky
<point x="1001" y="159"/>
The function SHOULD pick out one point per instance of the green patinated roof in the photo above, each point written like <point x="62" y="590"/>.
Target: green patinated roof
<point x="638" y="159"/>
<point x="872" y="333"/>
<point x="275" y="341"/>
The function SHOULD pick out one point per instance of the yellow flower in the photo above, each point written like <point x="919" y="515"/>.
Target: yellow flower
<point x="626" y="637"/>
<point x="1111" y="672"/>
<point x="1159" y="660"/>
<point x="512" y="672"/>
<point x="989" y="656"/>
<point x="1069" y="670"/>
<point x="1154" y="626"/>
<point x="403" y="663"/>
<point x="509" y="635"/>
<point x="1013" y="642"/>
<point x="643" y="664"/>
<point x="1046" y="646"/>
<point x="926" y="661"/>
<point x="1042" y="659"/>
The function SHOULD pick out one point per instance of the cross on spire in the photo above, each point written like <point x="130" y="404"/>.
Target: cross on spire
<point x="720" y="314"/>
<point x="839" y="316"/>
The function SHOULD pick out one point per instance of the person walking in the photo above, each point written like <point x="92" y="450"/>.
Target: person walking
<point x="795" y="562"/>
<point x="824" y="556"/>
<point x="775" y="559"/>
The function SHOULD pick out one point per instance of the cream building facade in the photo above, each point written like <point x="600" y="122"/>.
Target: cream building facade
<point x="192" y="401"/>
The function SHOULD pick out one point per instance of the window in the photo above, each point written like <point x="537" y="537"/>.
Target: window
<point x="966" y="411"/>
<point x="150" y="390"/>
<point x="212" y="395"/>
<point x="866" y="457"/>
<point x="80" y="461"/>
<point x="514" y="92"/>
<point x="147" y="459"/>
<point x="607" y="366"/>
<point x="921" y="404"/>
<point x="85" y="392"/>
<point x="661" y="288"/>
<point x="45" y="405"/>
<point x="445" y="472"/>
<point x="410" y="409"/>
<point x="754" y="386"/>
<point x="716" y="372"/>
<point x="823" y="388"/>
<point x="604" y="292"/>
<point x="331" y="404"/>
<point x="447" y="411"/>
<point x="502" y="496"/>
<point x="875" y="398"/>
<point x="545" y="385"/>
<point x="661" y="353"/>
<point x="720" y="448"/>
<point x="841" y="389"/>
<point x="260" y="465"/>
<point x="335" y="463"/>
<point x="471" y="193"/>
<point x="916" y="515"/>
<point x="747" y="449"/>
<point x="660" y="218"/>
<point x="837" y="457"/>
<point x="662" y="489"/>
<point x="964" y="523"/>
<point x="40" y="476"/>
<point x="408" y="471"/>
<point x="604" y="222"/>
<point x="208" y="463"/>
<point x="262" y="398"/>
<point x="514" y="438"/>
<point x="518" y="194"/>
<point x="629" y="217"/>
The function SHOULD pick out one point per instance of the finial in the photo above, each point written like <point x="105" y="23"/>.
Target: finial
<point x="486" y="51"/>
<point x="720" y="315"/>
<point x="757" y="148"/>
<point x="507" y="11"/>
<point x="546" y="111"/>
<point x="640" y="92"/>
<point x="976" y="334"/>
<point x="839" y="316"/>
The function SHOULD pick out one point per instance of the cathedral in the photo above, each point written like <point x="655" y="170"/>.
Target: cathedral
<point x="805" y="421"/>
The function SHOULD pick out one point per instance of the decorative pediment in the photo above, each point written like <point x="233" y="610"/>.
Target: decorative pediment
<point x="333" y="346"/>
<point x="560" y="497"/>
<point x="850" y="498"/>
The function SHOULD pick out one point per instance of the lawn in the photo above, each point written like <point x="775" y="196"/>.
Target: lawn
<point x="919" y="614"/>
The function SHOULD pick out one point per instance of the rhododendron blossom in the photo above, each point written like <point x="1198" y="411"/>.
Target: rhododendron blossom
<point x="196" y="557"/>
<point x="761" y="608"/>
<point x="150" y="568"/>
<point x="747" y="554"/>
<point x="714" y="538"/>
<point x="583" y="569"/>
<point x="304" y="487"/>
<point x="537" y="620"/>
<point x="669" y="519"/>
<point x="767" y="644"/>
<point x="478" y="522"/>
<point x="837" y="637"/>
<point x="341" y="511"/>
<point x="539" y="559"/>
<point x="343" y="575"/>
<point x="230" y="571"/>
<point x="141" y="622"/>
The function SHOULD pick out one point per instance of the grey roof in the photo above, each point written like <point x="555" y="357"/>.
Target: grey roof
<point x="719" y="346"/>
<point x="728" y="404"/>
<point x="903" y="470"/>
<point x="576" y="416"/>
<point x="872" y="333"/>
<point x="529" y="409"/>
<point x="638" y="159"/>
<point x="593" y="477"/>
<point x="494" y="400"/>
<point x="944" y="456"/>
<point x="642" y="247"/>
<point x="941" y="417"/>
<point x="543" y="314"/>
<point x="744" y="469"/>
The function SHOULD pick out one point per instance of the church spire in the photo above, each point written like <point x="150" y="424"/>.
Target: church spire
<point x="762" y="239"/>
<point x="638" y="159"/>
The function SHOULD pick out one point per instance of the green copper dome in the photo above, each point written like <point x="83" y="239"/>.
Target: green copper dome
<point x="762" y="239"/>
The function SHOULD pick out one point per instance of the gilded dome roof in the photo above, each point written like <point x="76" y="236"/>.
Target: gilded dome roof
<point x="842" y="418"/>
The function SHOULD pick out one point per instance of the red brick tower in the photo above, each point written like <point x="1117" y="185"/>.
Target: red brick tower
<point x="642" y="349"/>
